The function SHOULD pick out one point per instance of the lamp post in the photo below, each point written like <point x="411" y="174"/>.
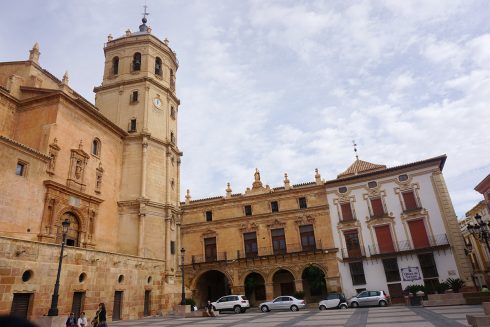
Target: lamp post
<point x="53" y="311"/>
<point x="182" y="252"/>
<point x="480" y="230"/>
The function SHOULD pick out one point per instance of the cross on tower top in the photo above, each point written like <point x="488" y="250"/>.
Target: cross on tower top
<point x="144" y="20"/>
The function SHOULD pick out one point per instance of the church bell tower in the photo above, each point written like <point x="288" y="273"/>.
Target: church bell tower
<point x="138" y="95"/>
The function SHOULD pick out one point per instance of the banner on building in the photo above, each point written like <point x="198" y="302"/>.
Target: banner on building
<point x="410" y="274"/>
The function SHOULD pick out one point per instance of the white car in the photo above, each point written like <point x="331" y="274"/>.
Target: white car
<point x="333" y="301"/>
<point x="283" y="303"/>
<point x="235" y="303"/>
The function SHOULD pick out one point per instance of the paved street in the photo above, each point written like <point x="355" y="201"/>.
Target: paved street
<point x="449" y="316"/>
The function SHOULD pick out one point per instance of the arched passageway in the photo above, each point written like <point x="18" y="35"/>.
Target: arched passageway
<point x="255" y="288"/>
<point x="211" y="286"/>
<point x="314" y="284"/>
<point x="283" y="283"/>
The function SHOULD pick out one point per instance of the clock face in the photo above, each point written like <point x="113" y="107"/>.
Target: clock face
<point x="157" y="102"/>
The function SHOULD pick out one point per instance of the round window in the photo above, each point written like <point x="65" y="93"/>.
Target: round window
<point x="82" y="277"/>
<point x="120" y="279"/>
<point x="27" y="275"/>
<point x="342" y="189"/>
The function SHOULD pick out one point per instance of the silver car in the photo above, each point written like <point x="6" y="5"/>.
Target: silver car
<point x="283" y="303"/>
<point x="367" y="298"/>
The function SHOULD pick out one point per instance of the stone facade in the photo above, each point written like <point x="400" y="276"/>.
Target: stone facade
<point x="272" y="233"/>
<point x="116" y="180"/>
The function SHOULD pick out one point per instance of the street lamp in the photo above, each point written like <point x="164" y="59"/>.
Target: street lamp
<point x="182" y="252"/>
<point x="480" y="230"/>
<point x="53" y="311"/>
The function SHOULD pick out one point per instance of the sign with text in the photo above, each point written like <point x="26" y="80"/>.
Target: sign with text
<point x="410" y="274"/>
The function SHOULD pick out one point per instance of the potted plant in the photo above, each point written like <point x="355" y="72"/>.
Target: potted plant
<point x="441" y="288"/>
<point x="455" y="284"/>
<point x="415" y="292"/>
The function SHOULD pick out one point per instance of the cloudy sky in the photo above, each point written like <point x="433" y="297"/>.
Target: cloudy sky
<point x="285" y="86"/>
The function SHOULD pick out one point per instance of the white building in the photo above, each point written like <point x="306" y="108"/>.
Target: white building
<point x="395" y="227"/>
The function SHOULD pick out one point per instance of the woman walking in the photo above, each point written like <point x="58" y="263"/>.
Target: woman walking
<point x="100" y="316"/>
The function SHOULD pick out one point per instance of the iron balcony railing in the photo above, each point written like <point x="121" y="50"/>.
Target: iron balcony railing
<point x="353" y="253"/>
<point x="261" y="252"/>
<point x="404" y="246"/>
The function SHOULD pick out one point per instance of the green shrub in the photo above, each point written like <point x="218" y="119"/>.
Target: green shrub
<point x="299" y="295"/>
<point x="415" y="288"/>
<point x="455" y="284"/>
<point x="441" y="288"/>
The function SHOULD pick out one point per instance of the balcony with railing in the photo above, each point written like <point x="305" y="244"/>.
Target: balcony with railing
<point x="227" y="257"/>
<point x="405" y="247"/>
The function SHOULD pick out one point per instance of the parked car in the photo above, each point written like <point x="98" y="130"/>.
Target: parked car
<point x="333" y="301"/>
<point x="367" y="298"/>
<point x="283" y="303"/>
<point x="235" y="303"/>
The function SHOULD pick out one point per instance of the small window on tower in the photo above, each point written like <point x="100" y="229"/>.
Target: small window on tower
<point x="172" y="247"/>
<point x="158" y="66"/>
<point x="302" y="203"/>
<point x="96" y="147"/>
<point x="136" y="64"/>
<point x="134" y="97"/>
<point x="132" y="125"/>
<point x="21" y="168"/>
<point x="248" y="210"/>
<point x="172" y="137"/>
<point x="172" y="112"/>
<point x="115" y="66"/>
<point x="209" y="215"/>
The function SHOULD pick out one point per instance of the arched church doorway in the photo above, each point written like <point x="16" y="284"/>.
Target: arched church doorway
<point x="211" y="286"/>
<point x="314" y="284"/>
<point x="283" y="283"/>
<point x="255" y="288"/>
<point x="73" y="234"/>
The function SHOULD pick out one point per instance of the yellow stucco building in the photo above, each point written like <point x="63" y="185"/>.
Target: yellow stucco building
<point x="112" y="170"/>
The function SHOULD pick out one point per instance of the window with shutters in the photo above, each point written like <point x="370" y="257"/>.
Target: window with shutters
<point x="419" y="233"/>
<point x="357" y="273"/>
<point x="346" y="211"/>
<point x="352" y="243"/>
<point x="278" y="241"/>
<point x="410" y="201"/>
<point x="392" y="272"/>
<point x="385" y="241"/>
<point x="210" y="249"/>
<point x="307" y="236"/>
<point x="377" y="206"/>
<point x="250" y="242"/>
<point x="20" y="305"/>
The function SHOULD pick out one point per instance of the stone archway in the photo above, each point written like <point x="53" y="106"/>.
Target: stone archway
<point x="210" y="286"/>
<point x="255" y="288"/>
<point x="314" y="284"/>
<point x="74" y="230"/>
<point x="283" y="283"/>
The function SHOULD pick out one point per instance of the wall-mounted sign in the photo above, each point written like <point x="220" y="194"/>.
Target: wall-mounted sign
<point x="410" y="274"/>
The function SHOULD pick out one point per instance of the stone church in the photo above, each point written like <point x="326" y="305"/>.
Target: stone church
<point x="111" y="169"/>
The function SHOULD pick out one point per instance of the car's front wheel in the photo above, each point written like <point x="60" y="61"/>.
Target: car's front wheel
<point x="382" y="303"/>
<point x="322" y="307"/>
<point x="354" y="304"/>
<point x="343" y="306"/>
<point x="237" y="309"/>
<point x="264" y="308"/>
<point x="294" y="308"/>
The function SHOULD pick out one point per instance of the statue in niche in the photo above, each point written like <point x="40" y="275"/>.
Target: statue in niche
<point x="52" y="162"/>
<point x="78" y="169"/>
<point x="98" y="181"/>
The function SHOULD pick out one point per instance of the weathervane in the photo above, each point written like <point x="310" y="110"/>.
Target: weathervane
<point x="145" y="13"/>
<point x="355" y="148"/>
<point x="143" y="27"/>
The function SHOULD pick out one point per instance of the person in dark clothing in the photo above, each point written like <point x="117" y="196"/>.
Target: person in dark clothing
<point x="70" y="322"/>
<point x="100" y="316"/>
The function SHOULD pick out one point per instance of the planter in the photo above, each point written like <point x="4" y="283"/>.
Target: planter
<point x="445" y="299"/>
